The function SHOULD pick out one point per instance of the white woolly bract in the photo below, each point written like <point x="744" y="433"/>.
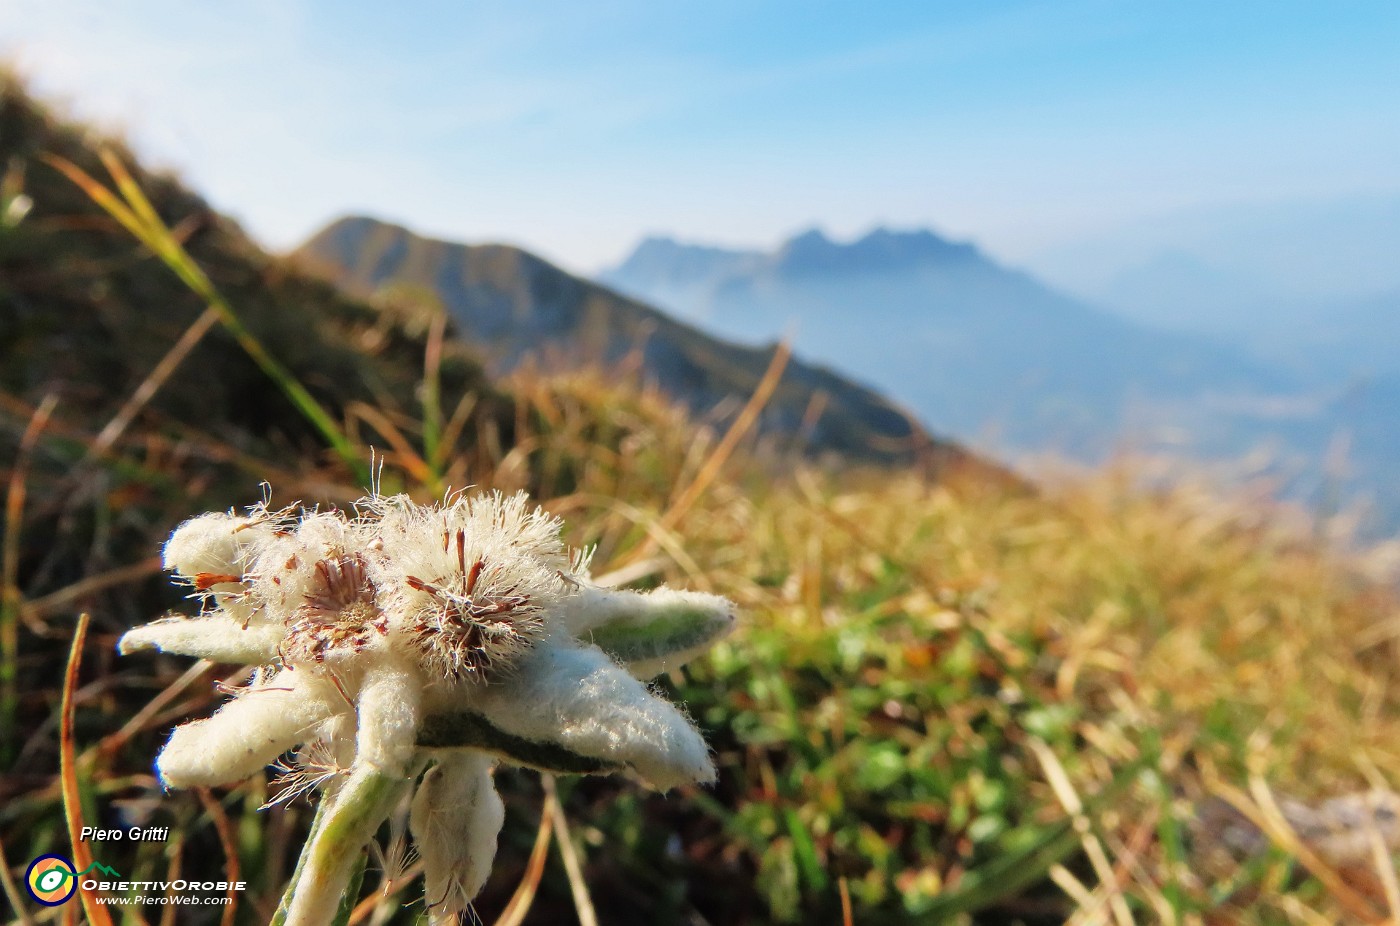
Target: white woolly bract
<point x="244" y="736"/>
<point x="651" y="632"/>
<point x="578" y="697"/>
<point x="456" y="818"/>
<point x="213" y="553"/>
<point x="206" y="544"/>
<point x="219" y="637"/>
<point x="389" y="713"/>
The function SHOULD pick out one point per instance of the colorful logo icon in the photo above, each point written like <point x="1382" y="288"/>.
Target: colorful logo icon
<point x="51" y="880"/>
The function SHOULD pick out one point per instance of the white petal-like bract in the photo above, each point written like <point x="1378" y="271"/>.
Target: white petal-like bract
<point x="219" y="637"/>
<point x="456" y="818"/>
<point x="578" y="697"/>
<point x="651" y="632"/>
<point x="243" y="737"/>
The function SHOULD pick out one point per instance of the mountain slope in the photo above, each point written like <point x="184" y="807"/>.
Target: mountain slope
<point x="512" y="306"/>
<point x="973" y="347"/>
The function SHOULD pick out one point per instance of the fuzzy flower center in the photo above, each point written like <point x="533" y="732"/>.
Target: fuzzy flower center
<point x="339" y="611"/>
<point x="471" y="620"/>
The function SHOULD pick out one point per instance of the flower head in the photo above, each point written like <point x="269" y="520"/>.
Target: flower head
<point x="410" y="647"/>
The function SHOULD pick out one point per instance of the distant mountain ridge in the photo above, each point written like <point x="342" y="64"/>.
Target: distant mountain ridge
<point x="880" y="251"/>
<point x="511" y="305"/>
<point x="972" y="346"/>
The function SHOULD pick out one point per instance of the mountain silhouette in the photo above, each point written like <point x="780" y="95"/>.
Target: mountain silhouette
<point x="513" y="307"/>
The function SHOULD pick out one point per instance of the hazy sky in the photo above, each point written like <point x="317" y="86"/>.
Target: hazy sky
<point x="574" y="128"/>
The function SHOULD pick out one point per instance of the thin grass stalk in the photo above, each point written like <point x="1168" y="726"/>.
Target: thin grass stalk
<point x="524" y="897"/>
<point x="452" y="431"/>
<point x="68" y="773"/>
<point x="1264" y="813"/>
<point x="230" y="847"/>
<point x="1069" y="799"/>
<point x="578" y="886"/>
<point x="7" y="882"/>
<point x="11" y="601"/>
<point x="432" y="398"/>
<point x="743" y="423"/>
<point x="162" y="371"/>
<point x="408" y="458"/>
<point x="39" y="608"/>
<point x="139" y="217"/>
<point x="1385" y="869"/>
<point x="172" y="874"/>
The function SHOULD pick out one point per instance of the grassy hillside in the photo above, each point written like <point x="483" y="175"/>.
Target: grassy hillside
<point x="513" y="308"/>
<point x="948" y="701"/>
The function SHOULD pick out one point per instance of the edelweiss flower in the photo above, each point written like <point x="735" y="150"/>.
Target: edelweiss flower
<point x="411" y="647"/>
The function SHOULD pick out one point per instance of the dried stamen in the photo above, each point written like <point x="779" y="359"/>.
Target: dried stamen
<point x="469" y="627"/>
<point x="339" y="612"/>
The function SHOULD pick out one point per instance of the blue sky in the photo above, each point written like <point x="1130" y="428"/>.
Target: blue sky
<point x="1033" y="128"/>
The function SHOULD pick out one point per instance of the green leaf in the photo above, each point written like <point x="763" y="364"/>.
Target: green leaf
<point x="650" y="633"/>
<point x="473" y="731"/>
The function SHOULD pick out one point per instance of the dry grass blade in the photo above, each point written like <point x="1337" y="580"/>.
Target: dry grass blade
<point x="11" y="601"/>
<point x="667" y="541"/>
<point x="741" y="426"/>
<point x="230" y="847"/>
<point x="146" y="226"/>
<point x="452" y="431"/>
<point x="578" y="887"/>
<point x="524" y="896"/>
<point x="7" y="881"/>
<point x="172" y="874"/>
<point x="162" y="371"/>
<point x="98" y="194"/>
<point x="149" y="712"/>
<point x="408" y="458"/>
<point x="1385" y="869"/>
<point x="72" y="800"/>
<point x="1265" y="814"/>
<point x="1093" y="848"/>
<point x="1066" y="881"/>
<point x="432" y="392"/>
<point x="63" y="598"/>
<point x="131" y="192"/>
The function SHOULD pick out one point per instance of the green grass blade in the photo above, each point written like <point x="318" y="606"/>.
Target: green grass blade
<point x="140" y="218"/>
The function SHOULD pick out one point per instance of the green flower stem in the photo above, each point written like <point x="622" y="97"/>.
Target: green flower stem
<point x="279" y="918"/>
<point x="351" y="897"/>
<point x="330" y="856"/>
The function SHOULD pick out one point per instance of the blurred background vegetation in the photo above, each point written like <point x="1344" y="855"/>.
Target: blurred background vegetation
<point x="954" y="696"/>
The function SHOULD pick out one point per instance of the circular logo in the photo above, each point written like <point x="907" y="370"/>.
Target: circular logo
<point x="50" y="880"/>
